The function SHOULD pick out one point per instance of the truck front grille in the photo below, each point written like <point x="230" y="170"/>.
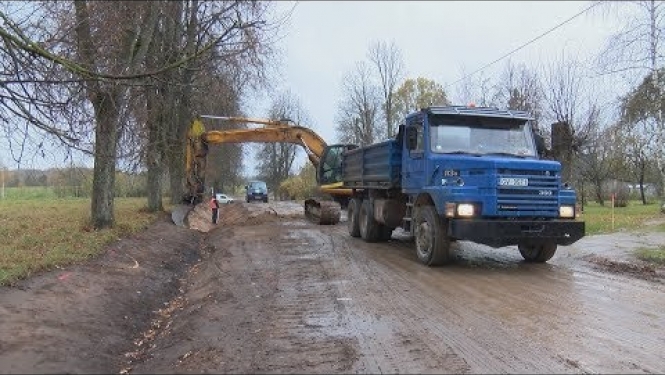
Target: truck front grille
<point x="538" y="198"/>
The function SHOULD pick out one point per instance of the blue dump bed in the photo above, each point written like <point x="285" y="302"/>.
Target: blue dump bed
<point x="374" y="166"/>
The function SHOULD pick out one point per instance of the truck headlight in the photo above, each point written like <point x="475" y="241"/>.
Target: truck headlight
<point x="459" y="210"/>
<point x="465" y="210"/>
<point x="567" y="212"/>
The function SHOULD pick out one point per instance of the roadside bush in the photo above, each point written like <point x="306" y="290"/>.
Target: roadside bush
<point x="621" y="198"/>
<point x="296" y="188"/>
<point x="621" y="193"/>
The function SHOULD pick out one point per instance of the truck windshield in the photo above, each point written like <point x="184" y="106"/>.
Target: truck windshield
<point x="258" y="185"/>
<point x="481" y="136"/>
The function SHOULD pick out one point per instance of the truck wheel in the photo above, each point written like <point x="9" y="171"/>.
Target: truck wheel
<point x="369" y="228"/>
<point x="432" y="241"/>
<point x="352" y="212"/>
<point x="537" y="253"/>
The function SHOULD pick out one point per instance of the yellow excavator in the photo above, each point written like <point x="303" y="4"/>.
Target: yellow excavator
<point x="325" y="209"/>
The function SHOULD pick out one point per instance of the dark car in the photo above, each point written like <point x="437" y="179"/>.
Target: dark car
<point x="256" y="191"/>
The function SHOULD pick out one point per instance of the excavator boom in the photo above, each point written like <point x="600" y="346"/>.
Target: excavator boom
<point x="273" y="131"/>
<point x="310" y="141"/>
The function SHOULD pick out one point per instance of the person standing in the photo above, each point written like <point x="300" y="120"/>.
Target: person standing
<point x="214" y="206"/>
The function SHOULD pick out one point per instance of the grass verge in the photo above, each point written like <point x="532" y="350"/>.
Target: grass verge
<point x="601" y="219"/>
<point x="39" y="235"/>
<point x="652" y="255"/>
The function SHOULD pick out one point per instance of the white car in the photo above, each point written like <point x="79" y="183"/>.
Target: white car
<point x="223" y="198"/>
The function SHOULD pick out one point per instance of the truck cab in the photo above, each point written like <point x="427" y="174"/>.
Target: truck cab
<point x="464" y="173"/>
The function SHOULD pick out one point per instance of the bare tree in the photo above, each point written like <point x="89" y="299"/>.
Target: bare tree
<point x="636" y="50"/>
<point x="476" y="89"/>
<point x="239" y="60"/>
<point x="519" y="88"/>
<point x="598" y="159"/>
<point x="358" y="113"/>
<point x="643" y="126"/>
<point x="225" y="160"/>
<point x="638" y="45"/>
<point x="570" y="106"/>
<point x="387" y="59"/>
<point x="109" y="100"/>
<point x="276" y="159"/>
<point x="34" y="99"/>
<point x="98" y="51"/>
<point x="97" y="69"/>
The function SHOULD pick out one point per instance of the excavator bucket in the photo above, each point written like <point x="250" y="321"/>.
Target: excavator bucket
<point x="179" y="214"/>
<point x="322" y="212"/>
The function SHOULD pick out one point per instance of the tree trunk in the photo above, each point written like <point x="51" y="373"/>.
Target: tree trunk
<point x="153" y="153"/>
<point x="582" y="195"/>
<point x="183" y="112"/>
<point x="644" y="200"/>
<point x="176" y="174"/>
<point x="599" y="192"/>
<point x="106" y="115"/>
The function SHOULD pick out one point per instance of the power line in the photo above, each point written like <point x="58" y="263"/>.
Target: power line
<point x="526" y="44"/>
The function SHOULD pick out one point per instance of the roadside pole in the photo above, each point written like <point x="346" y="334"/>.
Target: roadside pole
<point x="612" y="212"/>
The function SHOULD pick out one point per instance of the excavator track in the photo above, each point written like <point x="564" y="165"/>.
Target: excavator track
<point x="322" y="212"/>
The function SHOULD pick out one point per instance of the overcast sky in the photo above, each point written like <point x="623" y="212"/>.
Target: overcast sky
<point x="439" y="40"/>
<point x="324" y="40"/>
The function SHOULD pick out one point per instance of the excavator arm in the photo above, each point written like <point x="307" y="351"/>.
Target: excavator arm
<point x="272" y="131"/>
<point x="310" y="141"/>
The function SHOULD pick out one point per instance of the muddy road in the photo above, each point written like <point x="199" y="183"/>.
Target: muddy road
<point x="271" y="293"/>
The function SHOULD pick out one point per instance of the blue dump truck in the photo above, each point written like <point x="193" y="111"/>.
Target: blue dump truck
<point x="461" y="173"/>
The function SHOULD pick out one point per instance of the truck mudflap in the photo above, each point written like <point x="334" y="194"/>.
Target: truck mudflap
<point x="499" y="233"/>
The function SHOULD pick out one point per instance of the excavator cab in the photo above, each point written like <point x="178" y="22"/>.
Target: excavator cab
<point x="329" y="170"/>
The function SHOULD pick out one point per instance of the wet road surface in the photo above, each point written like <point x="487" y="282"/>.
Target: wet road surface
<point x="306" y="298"/>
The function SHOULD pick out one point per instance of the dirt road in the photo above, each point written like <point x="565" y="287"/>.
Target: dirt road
<point x="272" y="293"/>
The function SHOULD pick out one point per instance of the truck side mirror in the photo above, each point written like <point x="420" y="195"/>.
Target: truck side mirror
<point x="411" y="138"/>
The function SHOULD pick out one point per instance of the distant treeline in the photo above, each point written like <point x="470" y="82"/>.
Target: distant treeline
<point x="74" y="182"/>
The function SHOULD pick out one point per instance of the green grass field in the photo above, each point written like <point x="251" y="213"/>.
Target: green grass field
<point x="598" y="218"/>
<point x="41" y="232"/>
<point x="29" y="192"/>
<point x="652" y="255"/>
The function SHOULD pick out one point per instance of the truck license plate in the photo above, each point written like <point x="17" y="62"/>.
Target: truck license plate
<point x="509" y="181"/>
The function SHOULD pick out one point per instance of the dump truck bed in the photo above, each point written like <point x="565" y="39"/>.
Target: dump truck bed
<point x="376" y="166"/>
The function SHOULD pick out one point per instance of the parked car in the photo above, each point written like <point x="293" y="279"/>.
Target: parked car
<point x="223" y="198"/>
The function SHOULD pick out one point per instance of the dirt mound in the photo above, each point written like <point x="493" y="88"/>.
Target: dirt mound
<point x="644" y="271"/>
<point x="241" y="214"/>
<point x="200" y="218"/>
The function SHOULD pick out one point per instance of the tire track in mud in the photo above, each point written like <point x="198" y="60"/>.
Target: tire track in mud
<point x="517" y="317"/>
<point x="621" y="322"/>
<point x="262" y="302"/>
<point x="488" y="353"/>
<point x="391" y="338"/>
<point x="311" y="329"/>
<point x="304" y="333"/>
<point x="291" y="297"/>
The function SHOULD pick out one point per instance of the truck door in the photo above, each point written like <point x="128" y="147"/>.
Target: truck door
<point x="414" y="160"/>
